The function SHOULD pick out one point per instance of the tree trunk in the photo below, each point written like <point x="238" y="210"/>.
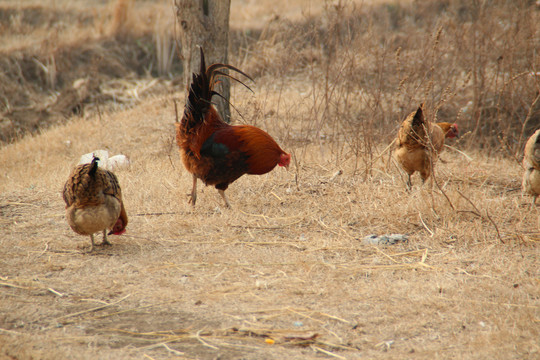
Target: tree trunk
<point x="205" y="23"/>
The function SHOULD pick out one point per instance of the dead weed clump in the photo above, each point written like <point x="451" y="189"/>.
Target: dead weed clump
<point x="73" y="46"/>
<point x="285" y="273"/>
<point x="369" y="65"/>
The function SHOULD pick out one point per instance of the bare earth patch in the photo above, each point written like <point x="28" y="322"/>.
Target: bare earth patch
<point x="284" y="274"/>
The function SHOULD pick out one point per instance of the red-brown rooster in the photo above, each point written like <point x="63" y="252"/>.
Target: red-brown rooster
<point x="214" y="151"/>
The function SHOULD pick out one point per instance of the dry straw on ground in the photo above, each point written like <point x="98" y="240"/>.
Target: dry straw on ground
<point x="284" y="273"/>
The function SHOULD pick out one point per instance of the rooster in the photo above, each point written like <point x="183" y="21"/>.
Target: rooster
<point x="214" y="151"/>
<point x="94" y="202"/>
<point x="419" y="143"/>
<point x="531" y="163"/>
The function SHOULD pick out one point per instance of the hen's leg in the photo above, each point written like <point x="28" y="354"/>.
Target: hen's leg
<point x="222" y="193"/>
<point x="193" y="195"/>
<point x="92" y="240"/>
<point x="105" y="240"/>
<point x="425" y="176"/>
<point x="533" y="203"/>
<point x="409" y="182"/>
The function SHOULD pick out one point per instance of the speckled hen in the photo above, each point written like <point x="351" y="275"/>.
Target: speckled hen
<point x="94" y="202"/>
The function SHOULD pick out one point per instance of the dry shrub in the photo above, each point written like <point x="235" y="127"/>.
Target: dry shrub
<point x="121" y="21"/>
<point x="45" y="50"/>
<point x="286" y="260"/>
<point x="473" y="63"/>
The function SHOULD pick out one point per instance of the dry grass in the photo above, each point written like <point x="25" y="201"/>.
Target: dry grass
<point x="284" y="274"/>
<point x="286" y="263"/>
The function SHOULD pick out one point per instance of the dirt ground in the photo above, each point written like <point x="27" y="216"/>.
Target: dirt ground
<point x="285" y="273"/>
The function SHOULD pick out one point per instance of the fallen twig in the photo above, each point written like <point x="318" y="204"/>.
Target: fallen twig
<point x="93" y="309"/>
<point x="495" y="225"/>
<point x="55" y="292"/>
<point x="459" y="151"/>
<point x="425" y="226"/>
<point x="11" y="332"/>
<point x="480" y="215"/>
<point x="489" y="302"/>
<point x="155" y="214"/>
<point x="197" y="336"/>
<point x="15" y="286"/>
<point x="329" y="353"/>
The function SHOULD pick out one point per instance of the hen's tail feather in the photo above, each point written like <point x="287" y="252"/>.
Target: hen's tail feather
<point x="93" y="166"/>
<point x="418" y="119"/>
<point x="418" y="126"/>
<point x="535" y="152"/>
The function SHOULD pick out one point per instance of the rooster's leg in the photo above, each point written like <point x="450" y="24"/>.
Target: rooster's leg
<point x="105" y="240"/>
<point x="193" y="195"/>
<point x="222" y="193"/>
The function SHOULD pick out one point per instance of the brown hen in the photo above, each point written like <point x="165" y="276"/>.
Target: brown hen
<point x="531" y="163"/>
<point x="419" y="143"/>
